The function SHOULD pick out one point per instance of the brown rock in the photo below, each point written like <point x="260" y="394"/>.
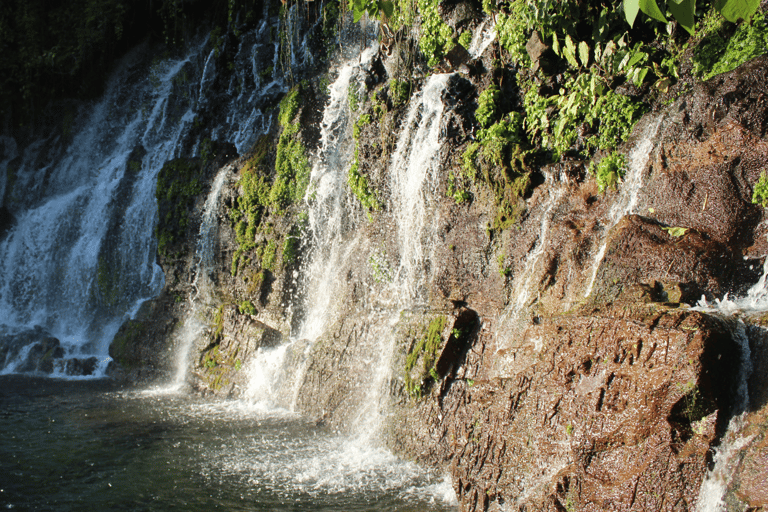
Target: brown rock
<point x="641" y="251"/>
<point x="615" y="412"/>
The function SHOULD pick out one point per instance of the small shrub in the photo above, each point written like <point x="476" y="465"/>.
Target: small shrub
<point x="608" y="172"/>
<point x="760" y="193"/>
<point x="718" y="53"/>
<point x="436" y="36"/>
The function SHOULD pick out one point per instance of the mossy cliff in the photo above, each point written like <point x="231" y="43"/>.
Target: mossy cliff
<point x="589" y="189"/>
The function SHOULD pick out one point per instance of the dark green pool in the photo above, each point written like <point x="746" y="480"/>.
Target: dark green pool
<point x="86" y="445"/>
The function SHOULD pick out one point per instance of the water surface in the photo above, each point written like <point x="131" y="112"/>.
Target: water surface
<point x="87" y="445"/>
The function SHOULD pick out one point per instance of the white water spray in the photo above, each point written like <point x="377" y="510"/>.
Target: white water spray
<point x="414" y="170"/>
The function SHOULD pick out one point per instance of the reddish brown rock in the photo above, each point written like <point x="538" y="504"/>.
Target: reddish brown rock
<point x="642" y="251"/>
<point x="617" y="412"/>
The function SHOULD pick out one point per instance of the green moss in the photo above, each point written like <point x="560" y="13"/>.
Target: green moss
<point x="497" y="140"/>
<point x="269" y="257"/>
<point x="353" y="96"/>
<point x="246" y="307"/>
<point x="719" y="52"/>
<point x="363" y="120"/>
<point x="291" y="162"/>
<point x="380" y="267"/>
<point x="178" y="183"/>
<point x="465" y="39"/>
<point x="399" y="92"/>
<point x="469" y="167"/>
<point x="289" y="106"/>
<point x="291" y="246"/>
<point x="487" y="106"/>
<point x="207" y="150"/>
<point x="358" y="184"/>
<point x="760" y="193"/>
<point x="218" y="322"/>
<point x="459" y="194"/>
<point x="292" y="168"/>
<point x="425" y="350"/>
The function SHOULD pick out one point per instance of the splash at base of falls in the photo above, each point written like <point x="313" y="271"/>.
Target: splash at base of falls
<point x="106" y="450"/>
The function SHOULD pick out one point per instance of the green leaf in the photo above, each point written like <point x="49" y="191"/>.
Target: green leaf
<point x="570" y="52"/>
<point x="640" y="76"/>
<point x="584" y="53"/>
<point x="357" y="15"/>
<point x="623" y="62"/>
<point x="734" y="10"/>
<point x="636" y="58"/>
<point x="676" y="231"/>
<point x="631" y="8"/>
<point x="556" y="45"/>
<point x="650" y="8"/>
<point x="387" y="7"/>
<point x="598" y="54"/>
<point x="684" y="13"/>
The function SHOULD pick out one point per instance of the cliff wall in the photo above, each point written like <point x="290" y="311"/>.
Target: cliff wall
<point x="531" y="331"/>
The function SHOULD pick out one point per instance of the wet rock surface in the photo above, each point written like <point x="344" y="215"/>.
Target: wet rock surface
<point x="41" y="349"/>
<point x="532" y="392"/>
<point x="618" y="400"/>
<point x="612" y="411"/>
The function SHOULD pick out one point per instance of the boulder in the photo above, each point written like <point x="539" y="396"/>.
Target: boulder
<point x="41" y="350"/>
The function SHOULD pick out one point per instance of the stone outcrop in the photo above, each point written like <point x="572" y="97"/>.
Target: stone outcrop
<point x="615" y="411"/>
<point x="553" y="365"/>
<point x="616" y="401"/>
<point x="41" y="348"/>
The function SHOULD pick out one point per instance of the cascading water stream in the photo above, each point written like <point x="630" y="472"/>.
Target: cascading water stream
<point x="275" y="374"/>
<point x="630" y="188"/>
<point x="726" y="457"/>
<point x="203" y="285"/>
<point x="414" y="178"/>
<point x="80" y="255"/>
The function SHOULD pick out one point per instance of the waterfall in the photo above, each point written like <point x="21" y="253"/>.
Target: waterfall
<point x="330" y="214"/>
<point x="205" y="253"/>
<point x="81" y="254"/>
<point x="414" y="180"/>
<point x="726" y="456"/>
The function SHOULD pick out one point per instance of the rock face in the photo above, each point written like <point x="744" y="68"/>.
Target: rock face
<point x="552" y="360"/>
<point x="616" y="410"/>
<point x="617" y="400"/>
